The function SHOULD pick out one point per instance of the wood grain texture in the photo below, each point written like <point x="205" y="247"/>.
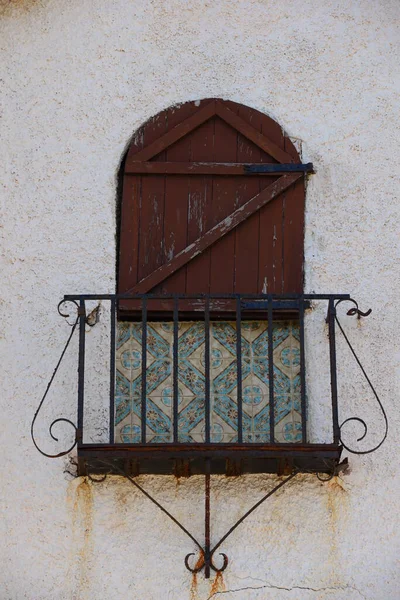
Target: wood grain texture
<point x="194" y="222"/>
<point x="215" y="234"/>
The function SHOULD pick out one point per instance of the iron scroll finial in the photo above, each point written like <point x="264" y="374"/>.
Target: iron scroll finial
<point x="355" y="309"/>
<point x="206" y="562"/>
<point x="60" y="419"/>
<point x="352" y="312"/>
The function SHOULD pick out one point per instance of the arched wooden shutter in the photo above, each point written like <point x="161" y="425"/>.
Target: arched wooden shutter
<point x="197" y="218"/>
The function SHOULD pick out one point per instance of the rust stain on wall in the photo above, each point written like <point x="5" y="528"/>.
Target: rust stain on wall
<point x="11" y="8"/>
<point x="193" y="586"/>
<point x="80" y="496"/>
<point x="218" y="584"/>
<point x="122" y="495"/>
<point x="336" y="501"/>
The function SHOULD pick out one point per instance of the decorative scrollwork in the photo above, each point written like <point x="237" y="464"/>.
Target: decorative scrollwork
<point x="205" y="562"/>
<point x="62" y="419"/>
<point x="355" y="310"/>
<point x="66" y="315"/>
<point x="351" y="312"/>
<point x="97" y="480"/>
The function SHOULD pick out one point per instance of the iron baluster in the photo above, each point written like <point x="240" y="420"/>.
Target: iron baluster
<point x="239" y="368"/>
<point x="207" y="369"/>
<point x="175" y="369"/>
<point x="112" y="369"/>
<point x="144" y="370"/>
<point x="207" y="507"/>
<point x="271" y="373"/>
<point x="333" y="373"/>
<point x="81" y="369"/>
<point x="302" y="373"/>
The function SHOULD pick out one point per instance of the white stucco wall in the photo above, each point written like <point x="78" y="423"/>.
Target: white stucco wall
<point x="77" y="78"/>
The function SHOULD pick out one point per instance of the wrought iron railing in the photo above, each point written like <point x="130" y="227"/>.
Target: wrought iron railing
<point x="211" y="311"/>
<point x="244" y="452"/>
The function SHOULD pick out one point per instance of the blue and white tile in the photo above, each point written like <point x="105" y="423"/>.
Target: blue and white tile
<point x="223" y="381"/>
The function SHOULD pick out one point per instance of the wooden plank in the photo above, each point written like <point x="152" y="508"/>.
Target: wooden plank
<point x="270" y="248"/>
<point x="252" y="134"/>
<point x="151" y="251"/>
<point x="129" y="233"/>
<point x="211" y="168"/>
<point x="291" y="149"/>
<point x="129" y="224"/>
<point x="222" y="260"/>
<point x="218" y="231"/>
<point x="271" y="221"/>
<point x="293" y="233"/>
<point x="247" y="233"/>
<point x="176" y="200"/>
<point x="293" y="239"/>
<point x="200" y="213"/>
<point x="203" y="168"/>
<point x="173" y="135"/>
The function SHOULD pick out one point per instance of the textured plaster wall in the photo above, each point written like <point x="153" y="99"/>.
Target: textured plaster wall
<point x="77" y="78"/>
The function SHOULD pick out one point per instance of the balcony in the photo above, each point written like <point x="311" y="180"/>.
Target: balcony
<point x="216" y="410"/>
<point x="224" y="384"/>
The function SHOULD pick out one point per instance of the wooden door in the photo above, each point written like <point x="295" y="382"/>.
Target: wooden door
<point x="196" y="218"/>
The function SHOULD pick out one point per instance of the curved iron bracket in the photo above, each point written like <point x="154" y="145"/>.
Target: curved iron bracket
<point x="352" y="312"/>
<point x="206" y="558"/>
<point x="73" y="325"/>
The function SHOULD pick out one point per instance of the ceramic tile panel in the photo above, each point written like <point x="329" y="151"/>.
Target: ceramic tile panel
<point x="223" y="382"/>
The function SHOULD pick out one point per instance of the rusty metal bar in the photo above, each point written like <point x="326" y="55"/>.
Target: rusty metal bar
<point x="302" y="374"/>
<point x="271" y="373"/>
<point x="112" y="370"/>
<point x="239" y="367"/>
<point x="267" y="168"/>
<point x="81" y="370"/>
<point x="175" y="370"/>
<point x="144" y="370"/>
<point x="252" y="509"/>
<point x="207" y="370"/>
<point x="332" y="361"/>
<point x="79" y="297"/>
<point x="207" y="527"/>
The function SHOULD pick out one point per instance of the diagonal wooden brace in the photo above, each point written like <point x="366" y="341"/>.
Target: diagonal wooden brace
<point x="215" y="233"/>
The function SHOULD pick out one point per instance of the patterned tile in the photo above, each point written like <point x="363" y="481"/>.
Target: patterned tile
<point x="223" y="382"/>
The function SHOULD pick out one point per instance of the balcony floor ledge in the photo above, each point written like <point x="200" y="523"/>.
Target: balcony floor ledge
<point x="191" y="459"/>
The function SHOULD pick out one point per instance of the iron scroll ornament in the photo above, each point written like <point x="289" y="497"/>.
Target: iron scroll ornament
<point x="60" y="419"/>
<point x="355" y="311"/>
<point x="206" y="551"/>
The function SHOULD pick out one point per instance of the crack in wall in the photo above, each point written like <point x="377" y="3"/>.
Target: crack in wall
<point x="289" y="589"/>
